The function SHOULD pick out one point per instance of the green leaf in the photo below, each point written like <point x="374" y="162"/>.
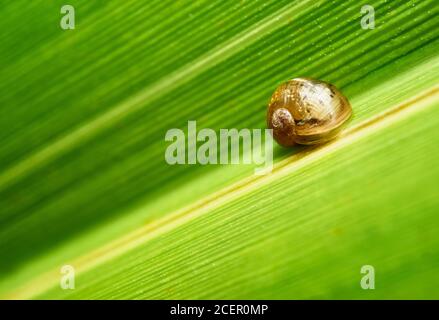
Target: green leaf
<point x="83" y="179"/>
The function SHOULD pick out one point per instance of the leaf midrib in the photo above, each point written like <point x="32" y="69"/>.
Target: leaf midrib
<point x="284" y="167"/>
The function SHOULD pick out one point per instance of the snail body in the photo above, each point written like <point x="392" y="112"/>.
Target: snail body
<point x="307" y="111"/>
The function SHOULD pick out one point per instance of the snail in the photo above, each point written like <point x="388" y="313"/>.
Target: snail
<point x="307" y="111"/>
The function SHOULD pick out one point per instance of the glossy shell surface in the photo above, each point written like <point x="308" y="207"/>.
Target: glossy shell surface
<point x="307" y="111"/>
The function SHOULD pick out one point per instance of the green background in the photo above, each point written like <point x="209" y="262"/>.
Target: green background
<point x="83" y="179"/>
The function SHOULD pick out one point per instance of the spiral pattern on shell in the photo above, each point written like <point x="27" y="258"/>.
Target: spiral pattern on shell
<point x="307" y="111"/>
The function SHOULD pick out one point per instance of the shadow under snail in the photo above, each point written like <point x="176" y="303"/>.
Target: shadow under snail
<point x="307" y="111"/>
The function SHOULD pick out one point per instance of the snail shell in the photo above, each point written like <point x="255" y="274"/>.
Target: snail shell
<point x="307" y="111"/>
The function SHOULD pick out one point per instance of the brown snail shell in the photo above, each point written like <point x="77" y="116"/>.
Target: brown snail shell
<point x="307" y="111"/>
